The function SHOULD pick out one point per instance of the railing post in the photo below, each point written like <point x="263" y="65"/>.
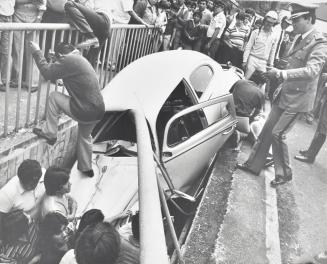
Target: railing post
<point x="153" y="246"/>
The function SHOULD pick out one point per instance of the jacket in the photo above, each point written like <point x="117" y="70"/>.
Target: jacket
<point x="304" y="65"/>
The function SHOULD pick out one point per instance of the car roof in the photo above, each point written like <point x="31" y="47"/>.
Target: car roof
<point x="148" y="81"/>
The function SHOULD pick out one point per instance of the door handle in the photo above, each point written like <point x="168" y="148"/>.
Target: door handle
<point x="167" y="154"/>
<point x="230" y="130"/>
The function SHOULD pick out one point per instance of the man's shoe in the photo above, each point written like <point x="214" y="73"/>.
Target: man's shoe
<point x="245" y="167"/>
<point x="279" y="180"/>
<point x="89" y="173"/>
<point x="40" y="133"/>
<point x="2" y="87"/>
<point x="303" y="152"/>
<point x="304" y="158"/>
<point x="269" y="162"/>
<point x="88" y="43"/>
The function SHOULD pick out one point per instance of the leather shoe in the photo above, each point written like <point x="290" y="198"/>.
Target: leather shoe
<point x="89" y="173"/>
<point x="40" y="133"/>
<point x="88" y="43"/>
<point x="279" y="180"/>
<point x="245" y="167"/>
<point x="304" y="158"/>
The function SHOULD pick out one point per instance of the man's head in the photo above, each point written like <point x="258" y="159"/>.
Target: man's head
<point x="303" y="17"/>
<point x="29" y="173"/>
<point x="270" y="20"/>
<point x="202" y="5"/>
<point x="218" y="7"/>
<point x="210" y="5"/>
<point x="240" y="18"/>
<point x="99" y="243"/>
<point x="250" y="12"/>
<point x="63" y="48"/>
<point x="197" y="15"/>
<point x="56" y="181"/>
<point x="14" y="226"/>
<point x="180" y="2"/>
<point x="90" y="217"/>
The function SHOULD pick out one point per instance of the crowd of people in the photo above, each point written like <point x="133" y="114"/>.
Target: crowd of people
<point x="38" y="223"/>
<point x="279" y="64"/>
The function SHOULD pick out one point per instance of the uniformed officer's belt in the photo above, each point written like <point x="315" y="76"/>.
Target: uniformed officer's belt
<point x="258" y="57"/>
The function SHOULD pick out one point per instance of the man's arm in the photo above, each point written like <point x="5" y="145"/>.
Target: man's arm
<point x="214" y="36"/>
<point x="50" y="71"/>
<point x="313" y="67"/>
<point x="272" y="53"/>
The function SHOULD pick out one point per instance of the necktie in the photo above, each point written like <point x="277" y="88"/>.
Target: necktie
<point x="298" y="40"/>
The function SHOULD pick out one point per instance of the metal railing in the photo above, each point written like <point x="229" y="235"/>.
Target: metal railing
<point x="20" y="106"/>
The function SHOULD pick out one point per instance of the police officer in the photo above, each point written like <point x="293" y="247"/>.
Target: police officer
<point x="294" y="95"/>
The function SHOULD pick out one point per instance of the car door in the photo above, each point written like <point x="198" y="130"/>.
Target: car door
<point x="191" y="141"/>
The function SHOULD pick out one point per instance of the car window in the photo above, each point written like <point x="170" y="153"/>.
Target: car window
<point x="200" y="79"/>
<point x="179" y="99"/>
<point x="185" y="127"/>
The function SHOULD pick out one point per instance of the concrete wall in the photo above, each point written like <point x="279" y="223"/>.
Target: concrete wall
<point x="25" y="145"/>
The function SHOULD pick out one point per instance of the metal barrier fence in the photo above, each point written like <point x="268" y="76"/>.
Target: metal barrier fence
<point x="20" y="105"/>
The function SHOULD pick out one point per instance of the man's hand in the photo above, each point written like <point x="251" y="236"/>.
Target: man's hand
<point x="272" y="73"/>
<point x="33" y="46"/>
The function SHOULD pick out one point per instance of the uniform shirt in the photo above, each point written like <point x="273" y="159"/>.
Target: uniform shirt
<point x="218" y="21"/>
<point x="119" y="10"/>
<point x="7" y="7"/>
<point x="236" y="36"/>
<point x="261" y="45"/>
<point x="14" y="197"/>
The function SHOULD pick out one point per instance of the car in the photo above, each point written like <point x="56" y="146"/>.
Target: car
<point x="183" y="99"/>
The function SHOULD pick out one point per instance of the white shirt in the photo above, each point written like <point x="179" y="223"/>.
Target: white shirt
<point x="14" y="197"/>
<point x="69" y="258"/>
<point x="7" y="7"/>
<point x="105" y="7"/>
<point x="119" y="10"/>
<point x="261" y="45"/>
<point x="218" y="21"/>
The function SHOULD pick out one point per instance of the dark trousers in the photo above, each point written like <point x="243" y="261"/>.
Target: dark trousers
<point x="87" y="21"/>
<point x="278" y="124"/>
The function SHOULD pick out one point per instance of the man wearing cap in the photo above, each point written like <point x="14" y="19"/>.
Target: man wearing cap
<point x="280" y="31"/>
<point x="260" y="50"/>
<point x="294" y="95"/>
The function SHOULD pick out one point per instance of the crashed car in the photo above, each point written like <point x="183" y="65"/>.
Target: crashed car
<point x="184" y="98"/>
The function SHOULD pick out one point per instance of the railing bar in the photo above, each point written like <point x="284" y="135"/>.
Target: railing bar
<point x="6" y="116"/>
<point x="70" y="33"/>
<point x="62" y="32"/>
<point x="37" y="111"/>
<point x="19" y="88"/>
<point x="137" y="43"/>
<point x="169" y="222"/>
<point x="103" y="60"/>
<point x="130" y="46"/>
<point x="30" y="82"/>
<point x="133" y="45"/>
<point x="127" y="46"/>
<point x="111" y="61"/>
<point x="120" y="46"/>
<point x="148" y="42"/>
<point x="108" y="58"/>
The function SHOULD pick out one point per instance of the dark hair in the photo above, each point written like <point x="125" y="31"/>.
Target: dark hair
<point x="28" y="171"/>
<point x="136" y="226"/>
<point x="54" y="179"/>
<point x="99" y="243"/>
<point x="250" y="11"/>
<point x="14" y="225"/>
<point x="51" y="225"/>
<point x="197" y="13"/>
<point x="92" y="216"/>
<point x="164" y="4"/>
<point x="240" y="16"/>
<point x="220" y="4"/>
<point x="63" y="48"/>
<point x="258" y="77"/>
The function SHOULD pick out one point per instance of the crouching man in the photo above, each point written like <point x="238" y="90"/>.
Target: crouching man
<point x="84" y="103"/>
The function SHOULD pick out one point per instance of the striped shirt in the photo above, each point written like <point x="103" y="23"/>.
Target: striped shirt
<point x="236" y="36"/>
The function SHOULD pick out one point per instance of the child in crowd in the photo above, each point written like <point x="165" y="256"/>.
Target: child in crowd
<point x="57" y="187"/>
<point x="193" y="33"/>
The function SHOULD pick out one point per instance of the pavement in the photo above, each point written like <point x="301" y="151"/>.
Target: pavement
<point x="261" y="224"/>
